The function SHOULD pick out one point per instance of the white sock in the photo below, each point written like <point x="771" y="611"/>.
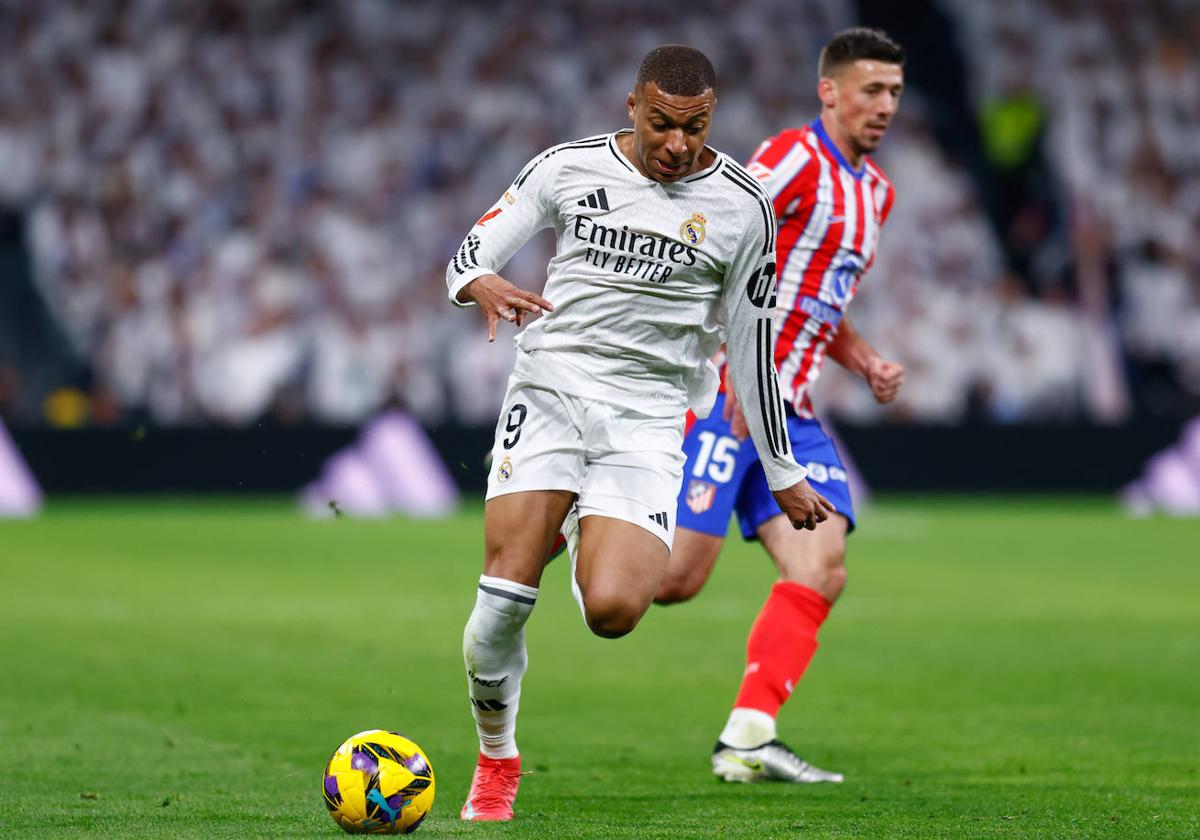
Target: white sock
<point x="748" y="728"/>
<point x="494" y="653"/>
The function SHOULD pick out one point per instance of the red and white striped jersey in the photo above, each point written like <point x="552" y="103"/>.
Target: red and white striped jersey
<point x="830" y="216"/>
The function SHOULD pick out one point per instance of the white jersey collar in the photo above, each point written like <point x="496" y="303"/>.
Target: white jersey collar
<point x="717" y="164"/>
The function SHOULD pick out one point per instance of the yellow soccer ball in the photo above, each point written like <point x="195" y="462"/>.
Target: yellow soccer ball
<point x="378" y="782"/>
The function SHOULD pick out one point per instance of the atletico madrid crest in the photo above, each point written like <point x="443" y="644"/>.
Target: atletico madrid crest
<point x="700" y="496"/>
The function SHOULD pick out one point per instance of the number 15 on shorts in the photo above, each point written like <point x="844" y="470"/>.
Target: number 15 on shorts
<point x="717" y="458"/>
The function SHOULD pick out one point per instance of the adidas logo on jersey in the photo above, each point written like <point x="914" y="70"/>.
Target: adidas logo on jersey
<point x="661" y="519"/>
<point x="597" y="200"/>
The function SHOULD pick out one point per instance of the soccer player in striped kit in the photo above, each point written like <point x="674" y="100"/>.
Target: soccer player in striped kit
<point x="663" y="245"/>
<point x="831" y="201"/>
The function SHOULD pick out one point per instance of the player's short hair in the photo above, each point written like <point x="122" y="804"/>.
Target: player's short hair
<point x="678" y="70"/>
<point x="860" y="42"/>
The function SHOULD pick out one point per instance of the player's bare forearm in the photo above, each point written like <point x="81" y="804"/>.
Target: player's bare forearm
<point x="500" y="300"/>
<point x="733" y="410"/>
<point x="850" y="350"/>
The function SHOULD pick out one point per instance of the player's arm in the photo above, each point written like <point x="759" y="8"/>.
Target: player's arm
<point x="733" y="409"/>
<point x="749" y="302"/>
<point x="473" y="274"/>
<point x="785" y="169"/>
<point x="850" y="350"/>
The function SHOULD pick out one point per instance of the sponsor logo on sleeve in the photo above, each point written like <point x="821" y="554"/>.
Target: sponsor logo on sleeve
<point x="761" y="287"/>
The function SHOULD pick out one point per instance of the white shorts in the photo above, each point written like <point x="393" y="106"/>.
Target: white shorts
<point x="619" y="462"/>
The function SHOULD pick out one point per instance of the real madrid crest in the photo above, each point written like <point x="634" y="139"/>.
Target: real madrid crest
<point x="505" y="470"/>
<point x="692" y="231"/>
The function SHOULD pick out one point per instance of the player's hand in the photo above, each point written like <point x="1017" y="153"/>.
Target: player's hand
<point x="500" y="300"/>
<point x="804" y="506"/>
<point x="885" y="379"/>
<point x="733" y="411"/>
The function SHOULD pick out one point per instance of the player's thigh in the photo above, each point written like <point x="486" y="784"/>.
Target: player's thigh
<point x="619" y="567"/>
<point x="627" y="504"/>
<point x="538" y="463"/>
<point x="519" y="529"/>
<point x="716" y="464"/>
<point x="693" y="556"/>
<point x="634" y="469"/>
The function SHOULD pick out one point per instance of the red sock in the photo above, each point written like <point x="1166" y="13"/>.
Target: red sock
<point x="781" y="644"/>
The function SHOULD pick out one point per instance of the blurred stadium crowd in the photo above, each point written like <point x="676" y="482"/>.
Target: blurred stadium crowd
<point x="245" y="210"/>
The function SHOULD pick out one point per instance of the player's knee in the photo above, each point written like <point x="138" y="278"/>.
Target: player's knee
<point x="825" y="573"/>
<point x="833" y="571"/>
<point x="670" y="593"/>
<point x="834" y="581"/>
<point x="676" y="590"/>
<point x="611" y="617"/>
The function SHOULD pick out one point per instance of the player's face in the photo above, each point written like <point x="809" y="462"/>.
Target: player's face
<point x="669" y="131"/>
<point x="863" y="98"/>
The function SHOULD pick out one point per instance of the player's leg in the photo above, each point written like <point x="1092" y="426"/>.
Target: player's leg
<point x="535" y="463"/>
<point x="626" y="509"/>
<point x="783" y="639"/>
<point x="693" y="557"/>
<point x="817" y="563"/>
<point x="618" y="571"/>
<point x="716" y="464"/>
<point x="517" y="529"/>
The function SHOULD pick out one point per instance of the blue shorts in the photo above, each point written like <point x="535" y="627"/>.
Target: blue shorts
<point x="724" y="474"/>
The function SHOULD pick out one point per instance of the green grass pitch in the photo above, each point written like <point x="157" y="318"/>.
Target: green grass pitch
<point x="997" y="668"/>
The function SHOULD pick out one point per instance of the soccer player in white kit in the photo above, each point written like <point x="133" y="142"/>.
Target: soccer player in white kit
<point x="663" y="245"/>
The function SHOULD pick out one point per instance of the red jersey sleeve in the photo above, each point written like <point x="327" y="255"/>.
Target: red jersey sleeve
<point x="782" y="165"/>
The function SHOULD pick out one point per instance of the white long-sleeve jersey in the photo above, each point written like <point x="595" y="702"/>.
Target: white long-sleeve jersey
<point x="645" y="277"/>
